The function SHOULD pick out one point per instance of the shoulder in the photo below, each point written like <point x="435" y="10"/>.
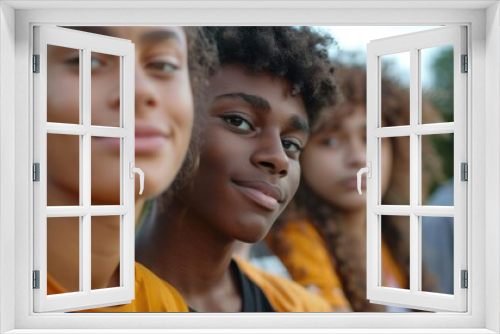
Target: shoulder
<point x="294" y="236"/>
<point x="299" y="227"/>
<point x="154" y="294"/>
<point x="301" y="248"/>
<point x="284" y="295"/>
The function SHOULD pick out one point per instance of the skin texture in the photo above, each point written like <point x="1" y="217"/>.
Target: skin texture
<point x="333" y="157"/>
<point x="163" y="105"/>
<point x="254" y="131"/>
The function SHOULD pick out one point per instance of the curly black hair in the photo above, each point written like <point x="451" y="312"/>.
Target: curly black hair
<point x="297" y="54"/>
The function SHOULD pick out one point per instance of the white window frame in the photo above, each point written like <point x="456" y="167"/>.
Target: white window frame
<point x="124" y="50"/>
<point x="483" y="21"/>
<point x="412" y="44"/>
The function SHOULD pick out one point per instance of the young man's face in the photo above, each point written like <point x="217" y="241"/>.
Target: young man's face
<point x="249" y="163"/>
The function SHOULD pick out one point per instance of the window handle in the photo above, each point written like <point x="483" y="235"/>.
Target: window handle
<point x="368" y="171"/>
<point x="138" y="171"/>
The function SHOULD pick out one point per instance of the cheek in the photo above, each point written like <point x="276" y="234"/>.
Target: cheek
<point x="62" y="99"/>
<point x="320" y="166"/>
<point x="293" y="177"/>
<point x="178" y="102"/>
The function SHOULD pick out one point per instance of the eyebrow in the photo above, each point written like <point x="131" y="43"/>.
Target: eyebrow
<point x="263" y="105"/>
<point x="299" y="124"/>
<point x="160" y="35"/>
<point x="254" y="101"/>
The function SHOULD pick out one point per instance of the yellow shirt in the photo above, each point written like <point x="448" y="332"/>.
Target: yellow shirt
<point x="283" y="294"/>
<point x="152" y="294"/>
<point x="305" y="254"/>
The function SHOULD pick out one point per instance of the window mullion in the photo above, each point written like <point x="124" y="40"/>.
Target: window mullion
<point x="414" y="171"/>
<point x="85" y="236"/>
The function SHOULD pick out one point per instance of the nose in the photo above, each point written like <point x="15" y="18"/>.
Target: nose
<point x="114" y="96"/>
<point x="271" y="156"/>
<point x="146" y="94"/>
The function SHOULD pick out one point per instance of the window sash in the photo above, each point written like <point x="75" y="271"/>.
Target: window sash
<point x="85" y="298"/>
<point x="413" y="298"/>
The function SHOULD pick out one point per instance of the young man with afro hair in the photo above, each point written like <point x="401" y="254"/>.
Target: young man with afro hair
<point x="269" y="92"/>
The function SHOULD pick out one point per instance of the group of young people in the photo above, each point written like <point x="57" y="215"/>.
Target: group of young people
<point x="238" y="127"/>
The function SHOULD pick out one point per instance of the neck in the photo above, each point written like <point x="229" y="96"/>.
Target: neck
<point x="63" y="246"/>
<point x="353" y="220"/>
<point x="183" y="249"/>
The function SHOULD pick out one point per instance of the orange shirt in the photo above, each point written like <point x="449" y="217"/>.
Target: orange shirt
<point x="283" y="294"/>
<point x="152" y="294"/>
<point x="305" y="254"/>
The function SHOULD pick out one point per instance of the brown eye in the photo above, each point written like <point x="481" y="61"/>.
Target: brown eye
<point x="163" y="68"/>
<point x="330" y="142"/>
<point x="238" y="122"/>
<point x="291" y="146"/>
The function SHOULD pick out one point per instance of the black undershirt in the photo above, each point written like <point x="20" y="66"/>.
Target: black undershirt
<point x="252" y="297"/>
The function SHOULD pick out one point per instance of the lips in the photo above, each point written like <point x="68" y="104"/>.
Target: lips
<point x="149" y="138"/>
<point x="352" y="183"/>
<point x="262" y="193"/>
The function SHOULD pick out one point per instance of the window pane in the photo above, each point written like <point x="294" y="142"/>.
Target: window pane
<point x="395" y="89"/>
<point x="395" y="251"/>
<point x="63" y="170"/>
<point x="105" y="89"/>
<point x="395" y="170"/>
<point x="105" y="170"/>
<point x="437" y="254"/>
<point x="437" y="84"/>
<point x="63" y="85"/>
<point x="437" y="169"/>
<point x="105" y="244"/>
<point x="63" y="255"/>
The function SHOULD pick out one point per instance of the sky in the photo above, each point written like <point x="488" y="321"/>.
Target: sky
<point x="355" y="38"/>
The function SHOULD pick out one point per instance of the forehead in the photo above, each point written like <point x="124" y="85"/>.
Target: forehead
<point x="237" y="79"/>
<point x="346" y="117"/>
<point x="140" y="35"/>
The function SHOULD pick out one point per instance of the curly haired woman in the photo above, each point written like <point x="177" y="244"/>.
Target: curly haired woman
<point x="321" y="238"/>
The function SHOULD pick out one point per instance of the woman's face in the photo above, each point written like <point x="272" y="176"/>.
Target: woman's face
<point x="333" y="157"/>
<point x="249" y="162"/>
<point x="163" y="112"/>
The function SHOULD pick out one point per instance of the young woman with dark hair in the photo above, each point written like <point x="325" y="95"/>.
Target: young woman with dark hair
<point x="321" y="239"/>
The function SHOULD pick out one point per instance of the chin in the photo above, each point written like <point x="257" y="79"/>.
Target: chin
<point x="352" y="205"/>
<point x="252" y="232"/>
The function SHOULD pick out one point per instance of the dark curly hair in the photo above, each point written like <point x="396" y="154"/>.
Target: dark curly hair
<point x="298" y="55"/>
<point x="349" y="261"/>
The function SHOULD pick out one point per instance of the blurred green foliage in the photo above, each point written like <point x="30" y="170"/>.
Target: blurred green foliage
<point x="440" y="94"/>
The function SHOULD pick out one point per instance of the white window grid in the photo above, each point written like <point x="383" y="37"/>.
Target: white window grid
<point x="414" y="297"/>
<point x="87" y="43"/>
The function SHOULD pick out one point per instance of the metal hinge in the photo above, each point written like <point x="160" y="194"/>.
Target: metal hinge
<point x="36" y="279"/>
<point x="464" y="171"/>
<point x="36" y="172"/>
<point x="465" y="64"/>
<point x="465" y="279"/>
<point x="36" y="63"/>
